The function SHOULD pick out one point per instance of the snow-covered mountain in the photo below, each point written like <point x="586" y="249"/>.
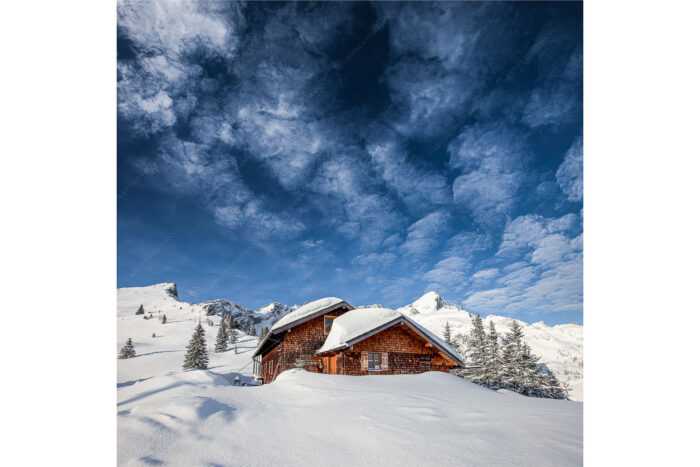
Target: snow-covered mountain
<point x="163" y="298"/>
<point x="560" y="347"/>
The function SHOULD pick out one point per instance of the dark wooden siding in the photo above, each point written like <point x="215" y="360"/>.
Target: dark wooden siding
<point x="408" y="353"/>
<point x="298" y="347"/>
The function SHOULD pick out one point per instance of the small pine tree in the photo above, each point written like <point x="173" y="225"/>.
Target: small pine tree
<point x="233" y="324"/>
<point x="221" y="339"/>
<point x="252" y="331"/>
<point x="154" y="335"/>
<point x="447" y="334"/>
<point x="196" y="356"/>
<point x="233" y="339"/>
<point x="145" y="316"/>
<point x="140" y="310"/>
<point x="163" y="319"/>
<point x="128" y="350"/>
<point x="263" y="333"/>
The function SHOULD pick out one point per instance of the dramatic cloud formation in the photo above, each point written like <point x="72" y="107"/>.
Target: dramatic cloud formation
<point x="368" y="150"/>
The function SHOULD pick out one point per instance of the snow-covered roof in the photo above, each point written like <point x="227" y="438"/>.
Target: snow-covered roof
<point x="308" y="311"/>
<point x="356" y="325"/>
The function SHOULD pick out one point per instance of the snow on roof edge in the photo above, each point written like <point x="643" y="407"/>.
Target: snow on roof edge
<point x="307" y="311"/>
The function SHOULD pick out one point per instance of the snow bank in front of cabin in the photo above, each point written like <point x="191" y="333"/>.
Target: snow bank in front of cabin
<point x="355" y="323"/>
<point x="307" y="419"/>
<point x="307" y="310"/>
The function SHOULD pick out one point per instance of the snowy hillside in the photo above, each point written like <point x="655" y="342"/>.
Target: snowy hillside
<point x="198" y="417"/>
<point x="560" y="347"/>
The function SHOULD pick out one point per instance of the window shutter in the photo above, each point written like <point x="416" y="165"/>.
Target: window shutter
<point x="363" y="360"/>
<point x="385" y="360"/>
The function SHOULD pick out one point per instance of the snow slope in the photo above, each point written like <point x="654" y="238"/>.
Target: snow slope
<point x="560" y="347"/>
<point x="306" y="419"/>
<point x="176" y="417"/>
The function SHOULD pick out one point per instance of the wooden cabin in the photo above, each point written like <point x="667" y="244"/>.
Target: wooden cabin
<point x="330" y="336"/>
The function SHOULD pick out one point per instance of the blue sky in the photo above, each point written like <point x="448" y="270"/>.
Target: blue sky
<point x="285" y="152"/>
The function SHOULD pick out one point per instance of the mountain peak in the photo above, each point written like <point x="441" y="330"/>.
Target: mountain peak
<point x="431" y="301"/>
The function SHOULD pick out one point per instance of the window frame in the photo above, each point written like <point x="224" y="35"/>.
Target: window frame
<point x="372" y="358"/>
<point x="331" y="318"/>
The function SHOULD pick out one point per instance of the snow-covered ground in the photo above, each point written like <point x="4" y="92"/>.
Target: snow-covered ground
<point x="195" y="417"/>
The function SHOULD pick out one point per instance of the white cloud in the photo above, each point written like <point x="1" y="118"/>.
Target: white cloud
<point x="449" y="273"/>
<point x="415" y="187"/>
<point x="485" y="274"/>
<point x="551" y="105"/>
<point x="375" y="259"/>
<point x="546" y="278"/>
<point x="175" y="27"/>
<point x="349" y="203"/>
<point x="570" y="172"/>
<point x="467" y="243"/>
<point x="156" y="88"/>
<point x="423" y="234"/>
<point x="492" y="161"/>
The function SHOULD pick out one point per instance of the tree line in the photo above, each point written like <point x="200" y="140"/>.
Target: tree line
<point x="507" y="361"/>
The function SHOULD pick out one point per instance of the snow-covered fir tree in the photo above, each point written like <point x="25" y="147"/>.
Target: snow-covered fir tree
<point x="128" y="350"/>
<point x="140" y="310"/>
<point x="233" y="339"/>
<point x="221" y="339"/>
<point x="263" y="333"/>
<point x="532" y="382"/>
<point x="196" y="356"/>
<point x="447" y="334"/>
<point x="493" y="357"/>
<point x="233" y="324"/>
<point x="512" y="355"/>
<point x="477" y="351"/>
<point x="163" y="319"/>
<point x="252" y="331"/>
<point x="552" y="387"/>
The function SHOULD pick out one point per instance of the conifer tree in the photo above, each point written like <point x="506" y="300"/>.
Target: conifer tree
<point x="233" y="339"/>
<point x="163" y="319"/>
<point x="447" y="334"/>
<point x="128" y="350"/>
<point x="493" y="357"/>
<point x="476" y="349"/>
<point x="221" y="340"/>
<point x="532" y="383"/>
<point x="196" y="356"/>
<point x="263" y="333"/>
<point x="512" y="356"/>
<point x="140" y="310"/>
<point x="233" y="324"/>
<point x="252" y="331"/>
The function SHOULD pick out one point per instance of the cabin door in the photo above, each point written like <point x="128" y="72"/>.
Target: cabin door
<point x="332" y="365"/>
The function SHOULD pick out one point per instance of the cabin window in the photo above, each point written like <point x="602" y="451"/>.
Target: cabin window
<point x="327" y="323"/>
<point x="373" y="361"/>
